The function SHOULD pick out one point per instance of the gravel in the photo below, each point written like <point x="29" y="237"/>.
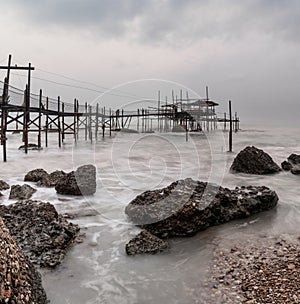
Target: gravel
<point x="256" y="271"/>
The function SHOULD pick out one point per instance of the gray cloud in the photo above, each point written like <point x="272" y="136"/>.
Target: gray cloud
<point x="165" y="21"/>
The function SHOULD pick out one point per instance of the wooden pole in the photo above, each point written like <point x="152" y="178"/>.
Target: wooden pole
<point x="74" y="120"/>
<point x="97" y="121"/>
<point x="63" y="121"/>
<point x="40" y="120"/>
<point x="230" y="127"/>
<point x="58" y="122"/>
<point x="86" y="122"/>
<point x="110" y="122"/>
<point x="47" y="122"/>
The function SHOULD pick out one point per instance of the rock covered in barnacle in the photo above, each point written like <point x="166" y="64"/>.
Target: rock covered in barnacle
<point x="145" y="243"/>
<point x="35" y="175"/>
<point x="3" y="185"/>
<point x="252" y="160"/>
<point x="79" y="182"/>
<point x="42" y="234"/>
<point x="292" y="164"/>
<point x="18" y="192"/>
<point x="188" y="206"/>
<point x="52" y="179"/>
<point x="19" y="280"/>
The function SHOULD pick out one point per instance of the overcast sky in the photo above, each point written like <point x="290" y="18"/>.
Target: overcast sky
<point x="244" y="50"/>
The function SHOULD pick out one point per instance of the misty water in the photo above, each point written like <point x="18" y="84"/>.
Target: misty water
<point x="98" y="270"/>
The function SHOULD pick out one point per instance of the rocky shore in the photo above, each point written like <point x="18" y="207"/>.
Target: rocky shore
<point x="20" y="283"/>
<point x="42" y="234"/>
<point x="255" y="271"/>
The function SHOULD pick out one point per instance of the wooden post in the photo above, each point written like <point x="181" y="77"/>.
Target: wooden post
<point x="224" y="121"/>
<point x="97" y="122"/>
<point x="47" y="122"/>
<point x="63" y="121"/>
<point x="74" y="120"/>
<point x="77" y="119"/>
<point x="138" y="120"/>
<point x="86" y="122"/>
<point x="40" y="120"/>
<point x="230" y="127"/>
<point x="158" y="109"/>
<point x="90" y="124"/>
<point x="58" y="122"/>
<point x="110" y="122"/>
<point x="235" y="123"/>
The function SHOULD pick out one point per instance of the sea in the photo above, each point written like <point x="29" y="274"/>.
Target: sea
<point x="98" y="269"/>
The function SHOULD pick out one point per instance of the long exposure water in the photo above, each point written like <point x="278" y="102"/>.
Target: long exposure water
<point x="98" y="270"/>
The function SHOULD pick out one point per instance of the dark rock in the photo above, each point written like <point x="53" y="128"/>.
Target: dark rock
<point x="32" y="147"/>
<point x="294" y="159"/>
<point x="145" y="242"/>
<point x="286" y="166"/>
<point x="295" y="170"/>
<point x="42" y="234"/>
<point x="80" y="182"/>
<point x="52" y="179"/>
<point x="35" y="175"/>
<point x="292" y="164"/>
<point x="21" y="192"/>
<point x="3" y="185"/>
<point x="187" y="206"/>
<point x="254" y="161"/>
<point x="19" y="280"/>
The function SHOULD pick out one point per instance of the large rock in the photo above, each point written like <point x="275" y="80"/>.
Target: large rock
<point x="80" y="182"/>
<point x="188" y="206"/>
<point x="42" y="234"/>
<point x="254" y="161"/>
<point x="292" y="164"/>
<point x="35" y="175"/>
<point x="3" y="185"/>
<point x="18" y="192"/>
<point x="145" y="242"/>
<point x="19" y="280"/>
<point x="52" y="179"/>
<point x="32" y="147"/>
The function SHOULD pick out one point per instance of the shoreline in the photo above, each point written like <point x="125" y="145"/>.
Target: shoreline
<point x="262" y="269"/>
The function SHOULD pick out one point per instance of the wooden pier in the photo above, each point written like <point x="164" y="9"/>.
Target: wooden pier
<point x="28" y="113"/>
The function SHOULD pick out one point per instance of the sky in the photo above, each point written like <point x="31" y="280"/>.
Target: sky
<point x="245" y="51"/>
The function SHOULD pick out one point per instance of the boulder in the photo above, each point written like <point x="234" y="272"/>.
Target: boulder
<point x="43" y="235"/>
<point x="145" y="242"/>
<point x="35" y="175"/>
<point x="52" y="179"/>
<point x="188" y="206"/>
<point x="18" y="192"/>
<point x="80" y="182"/>
<point x="3" y="185"/>
<point x="32" y="147"/>
<point x="286" y="166"/>
<point x="254" y="161"/>
<point x="292" y="164"/>
<point x="19" y="280"/>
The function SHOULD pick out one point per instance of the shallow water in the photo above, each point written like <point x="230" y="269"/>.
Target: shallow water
<point x="98" y="270"/>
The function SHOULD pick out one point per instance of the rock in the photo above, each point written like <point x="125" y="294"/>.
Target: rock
<point x="42" y="234"/>
<point x="292" y="164"/>
<point x="254" y="161"/>
<point x="32" y="147"/>
<point x="18" y="192"/>
<point x="286" y="166"/>
<point x="188" y="206"/>
<point x="3" y="185"/>
<point x="35" y="175"/>
<point x="145" y="242"/>
<point x="80" y="182"/>
<point x="295" y="170"/>
<point x="19" y="280"/>
<point x="294" y="159"/>
<point x="52" y="179"/>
